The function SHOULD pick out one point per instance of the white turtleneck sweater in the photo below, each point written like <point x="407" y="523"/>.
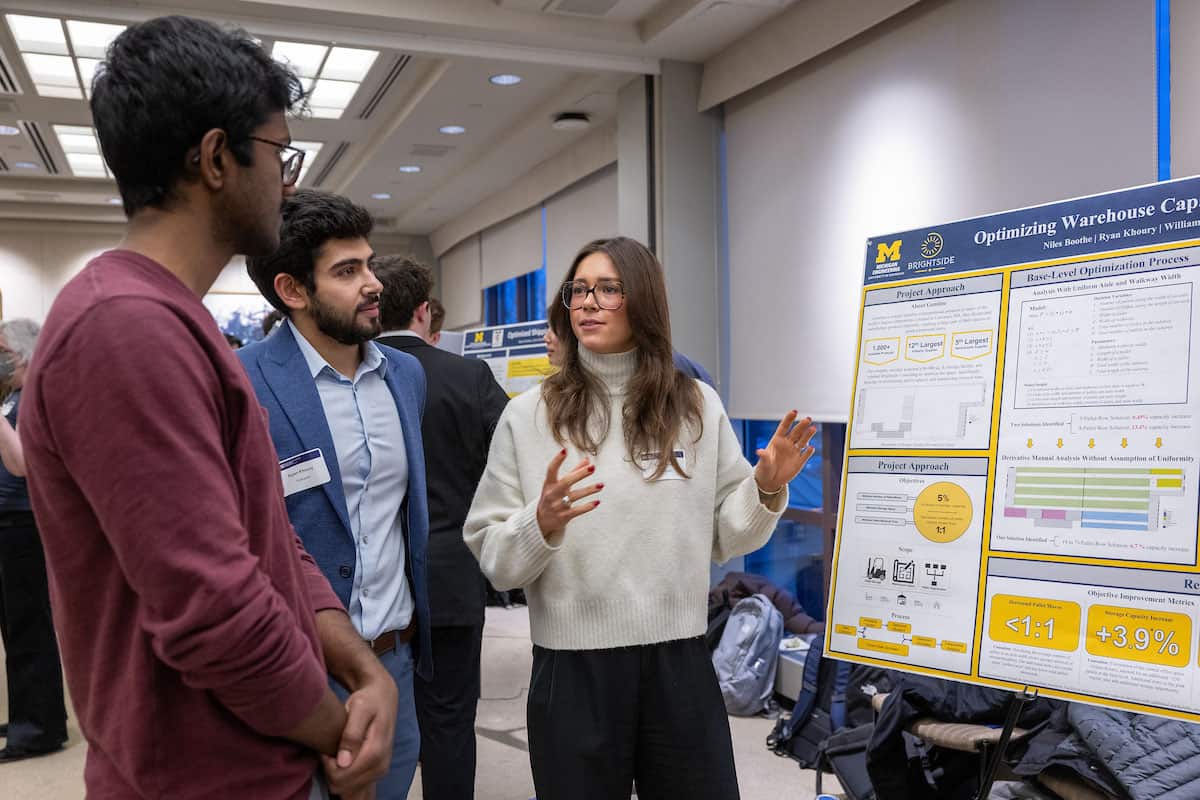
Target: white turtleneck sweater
<point x="635" y="570"/>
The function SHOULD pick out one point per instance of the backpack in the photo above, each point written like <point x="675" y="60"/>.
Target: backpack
<point x="845" y="753"/>
<point x="748" y="654"/>
<point x="820" y="709"/>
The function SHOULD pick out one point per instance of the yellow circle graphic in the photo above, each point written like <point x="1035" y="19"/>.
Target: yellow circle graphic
<point x="932" y="245"/>
<point x="942" y="512"/>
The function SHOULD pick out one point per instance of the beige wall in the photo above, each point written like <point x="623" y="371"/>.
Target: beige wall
<point x="38" y="258"/>
<point x="949" y="110"/>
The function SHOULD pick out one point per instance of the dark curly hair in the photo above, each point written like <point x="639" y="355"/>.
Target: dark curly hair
<point x="310" y="219"/>
<point x="406" y="284"/>
<point x="165" y="83"/>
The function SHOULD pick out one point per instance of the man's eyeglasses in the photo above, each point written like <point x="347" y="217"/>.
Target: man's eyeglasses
<point x="289" y="168"/>
<point x="608" y="294"/>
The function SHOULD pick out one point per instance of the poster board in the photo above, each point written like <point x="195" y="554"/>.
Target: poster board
<point x="516" y="353"/>
<point x="1019" y="496"/>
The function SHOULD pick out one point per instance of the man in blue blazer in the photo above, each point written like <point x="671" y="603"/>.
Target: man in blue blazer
<point x="345" y="417"/>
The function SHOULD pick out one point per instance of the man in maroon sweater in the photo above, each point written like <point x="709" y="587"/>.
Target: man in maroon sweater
<point x="195" y="630"/>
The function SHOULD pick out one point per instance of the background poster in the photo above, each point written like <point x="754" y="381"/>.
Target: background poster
<point x="516" y="353"/>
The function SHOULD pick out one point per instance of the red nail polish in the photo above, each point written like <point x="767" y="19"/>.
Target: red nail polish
<point x="562" y="452"/>
<point x="599" y="485"/>
<point x="596" y="503"/>
<point x="591" y="470"/>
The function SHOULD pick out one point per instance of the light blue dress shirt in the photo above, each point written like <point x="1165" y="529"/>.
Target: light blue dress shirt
<point x="369" y="441"/>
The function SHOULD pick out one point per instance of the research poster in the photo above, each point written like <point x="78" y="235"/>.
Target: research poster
<point x="516" y="353"/>
<point x="1019" y="499"/>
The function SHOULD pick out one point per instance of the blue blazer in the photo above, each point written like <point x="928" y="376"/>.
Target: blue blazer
<point x="286" y="389"/>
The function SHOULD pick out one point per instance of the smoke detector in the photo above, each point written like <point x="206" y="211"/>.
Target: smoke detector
<point x="571" y="121"/>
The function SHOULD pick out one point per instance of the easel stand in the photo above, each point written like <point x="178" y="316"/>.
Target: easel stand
<point x="1016" y="704"/>
<point x="987" y="742"/>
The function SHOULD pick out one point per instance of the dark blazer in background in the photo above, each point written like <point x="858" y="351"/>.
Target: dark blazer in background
<point x="462" y="405"/>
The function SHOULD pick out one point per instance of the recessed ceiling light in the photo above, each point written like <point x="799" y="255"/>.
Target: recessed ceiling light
<point x="381" y="196"/>
<point x="25" y="165"/>
<point x="86" y="165"/>
<point x="348" y="64"/>
<point x="305" y="59"/>
<point x="452" y="130"/>
<point x="410" y="168"/>
<point x="571" y="121"/>
<point x="9" y="130"/>
<point x="505" y="79"/>
<point x="38" y="34"/>
<point x="91" y="39"/>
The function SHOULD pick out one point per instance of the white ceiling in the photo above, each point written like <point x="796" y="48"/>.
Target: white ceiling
<point x="435" y="58"/>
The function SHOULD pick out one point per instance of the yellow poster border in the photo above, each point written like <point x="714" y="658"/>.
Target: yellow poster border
<point x="985" y="551"/>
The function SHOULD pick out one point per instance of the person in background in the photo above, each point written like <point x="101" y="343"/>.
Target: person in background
<point x="37" y="712"/>
<point x="622" y="687"/>
<point x="551" y="340"/>
<point x="270" y="321"/>
<point x="345" y="420"/>
<point x="437" y="315"/>
<point x="691" y="368"/>
<point x="463" y="404"/>
<point x="195" y="630"/>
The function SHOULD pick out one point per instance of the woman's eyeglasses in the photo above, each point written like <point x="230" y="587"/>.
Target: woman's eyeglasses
<point x="608" y="294"/>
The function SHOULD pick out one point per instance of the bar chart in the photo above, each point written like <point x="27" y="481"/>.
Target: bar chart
<point x="1109" y="498"/>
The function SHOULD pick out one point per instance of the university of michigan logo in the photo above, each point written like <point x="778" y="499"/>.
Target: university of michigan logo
<point x="932" y="245"/>
<point x="888" y="252"/>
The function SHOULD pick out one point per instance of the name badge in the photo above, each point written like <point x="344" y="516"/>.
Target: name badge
<point x="649" y="463"/>
<point x="303" y="471"/>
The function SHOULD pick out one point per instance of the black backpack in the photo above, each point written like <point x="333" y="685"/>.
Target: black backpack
<point x="845" y="753"/>
<point x="820" y="709"/>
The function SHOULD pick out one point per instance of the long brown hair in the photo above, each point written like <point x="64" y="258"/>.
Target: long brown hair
<point x="659" y="399"/>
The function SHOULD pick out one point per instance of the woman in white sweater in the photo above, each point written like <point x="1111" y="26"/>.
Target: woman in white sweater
<point x="614" y="553"/>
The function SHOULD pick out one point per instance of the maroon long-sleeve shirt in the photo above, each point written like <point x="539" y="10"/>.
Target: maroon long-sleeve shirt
<point x="184" y="602"/>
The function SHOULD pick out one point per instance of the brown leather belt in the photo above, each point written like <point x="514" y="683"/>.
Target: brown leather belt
<point x="389" y="641"/>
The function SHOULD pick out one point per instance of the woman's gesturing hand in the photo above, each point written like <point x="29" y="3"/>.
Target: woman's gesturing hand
<point x="557" y="505"/>
<point x="785" y="455"/>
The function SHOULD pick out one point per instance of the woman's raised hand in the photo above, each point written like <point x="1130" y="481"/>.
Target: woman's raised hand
<point x="559" y="502"/>
<point x="785" y="455"/>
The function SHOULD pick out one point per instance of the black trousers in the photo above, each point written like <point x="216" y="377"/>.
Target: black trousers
<point x="601" y="719"/>
<point x="446" y="713"/>
<point x="37" y="715"/>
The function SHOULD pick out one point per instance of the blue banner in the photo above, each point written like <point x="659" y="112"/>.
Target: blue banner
<point x="1145" y="215"/>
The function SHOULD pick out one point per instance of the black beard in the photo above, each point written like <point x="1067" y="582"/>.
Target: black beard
<point x="341" y="329"/>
